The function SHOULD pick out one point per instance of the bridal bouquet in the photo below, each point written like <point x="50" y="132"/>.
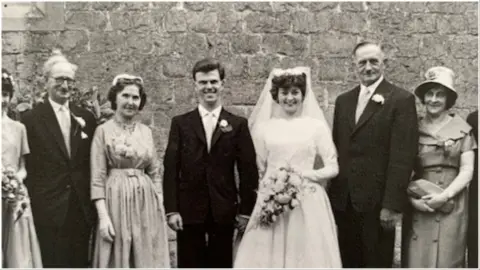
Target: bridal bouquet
<point x="280" y="193"/>
<point x="13" y="191"/>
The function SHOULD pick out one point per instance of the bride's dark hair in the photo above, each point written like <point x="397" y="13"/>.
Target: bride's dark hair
<point x="288" y="81"/>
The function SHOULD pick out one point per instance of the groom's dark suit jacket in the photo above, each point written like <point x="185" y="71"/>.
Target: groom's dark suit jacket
<point x="196" y="181"/>
<point x="376" y="155"/>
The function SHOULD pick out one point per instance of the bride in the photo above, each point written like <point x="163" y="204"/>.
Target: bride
<point x="289" y="129"/>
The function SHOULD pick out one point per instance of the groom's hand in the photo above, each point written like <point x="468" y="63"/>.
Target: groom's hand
<point x="242" y="222"/>
<point x="389" y="218"/>
<point x="175" y="222"/>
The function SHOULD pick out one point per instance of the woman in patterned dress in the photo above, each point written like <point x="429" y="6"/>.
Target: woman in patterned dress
<point x="19" y="239"/>
<point x="126" y="185"/>
<point x="434" y="238"/>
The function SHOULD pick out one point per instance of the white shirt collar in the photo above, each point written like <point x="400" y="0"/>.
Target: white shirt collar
<point x="56" y="107"/>
<point x="372" y="87"/>
<point x="204" y="112"/>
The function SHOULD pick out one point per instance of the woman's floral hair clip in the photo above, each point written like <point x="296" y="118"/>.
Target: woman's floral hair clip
<point x="127" y="78"/>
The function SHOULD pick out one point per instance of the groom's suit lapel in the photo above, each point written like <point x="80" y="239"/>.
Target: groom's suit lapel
<point x="52" y="126"/>
<point x="372" y="106"/>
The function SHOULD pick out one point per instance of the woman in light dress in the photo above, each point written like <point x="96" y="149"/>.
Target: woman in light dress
<point x="289" y="129"/>
<point x="126" y="185"/>
<point x="432" y="238"/>
<point x="19" y="239"/>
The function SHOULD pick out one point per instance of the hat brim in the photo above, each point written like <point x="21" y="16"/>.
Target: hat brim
<point x="422" y="88"/>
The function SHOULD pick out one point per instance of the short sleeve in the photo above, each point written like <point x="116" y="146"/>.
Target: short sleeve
<point x="24" y="147"/>
<point x="468" y="143"/>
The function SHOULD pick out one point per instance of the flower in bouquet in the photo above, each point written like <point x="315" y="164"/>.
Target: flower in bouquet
<point x="13" y="191"/>
<point x="280" y="192"/>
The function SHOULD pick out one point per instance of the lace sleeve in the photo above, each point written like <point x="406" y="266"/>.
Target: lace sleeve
<point x="258" y="137"/>
<point x="327" y="151"/>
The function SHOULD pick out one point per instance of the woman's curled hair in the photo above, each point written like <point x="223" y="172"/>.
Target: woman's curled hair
<point x="288" y="81"/>
<point x="118" y="87"/>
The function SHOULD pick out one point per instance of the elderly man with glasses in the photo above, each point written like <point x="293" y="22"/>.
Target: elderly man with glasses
<point x="58" y="167"/>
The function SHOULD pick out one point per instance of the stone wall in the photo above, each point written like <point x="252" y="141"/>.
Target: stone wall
<point x="160" y="41"/>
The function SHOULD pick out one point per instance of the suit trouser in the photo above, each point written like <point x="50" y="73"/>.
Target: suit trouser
<point x="66" y="246"/>
<point x="205" y="245"/>
<point x="363" y="242"/>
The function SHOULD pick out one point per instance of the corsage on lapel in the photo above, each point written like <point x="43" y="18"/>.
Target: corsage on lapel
<point x="81" y="122"/>
<point x="378" y="99"/>
<point x="225" y="126"/>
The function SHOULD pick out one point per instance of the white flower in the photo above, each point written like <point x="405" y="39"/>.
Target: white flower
<point x="449" y="143"/>
<point x="378" y="98"/>
<point x="223" y="123"/>
<point x="295" y="179"/>
<point x="84" y="135"/>
<point x="282" y="176"/>
<point x="294" y="202"/>
<point x="80" y="121"/>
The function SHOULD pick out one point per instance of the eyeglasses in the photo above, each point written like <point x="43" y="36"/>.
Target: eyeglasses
<point x="62" y="80"/>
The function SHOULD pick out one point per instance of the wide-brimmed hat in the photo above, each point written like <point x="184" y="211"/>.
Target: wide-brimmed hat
<point x="438" y="75"/>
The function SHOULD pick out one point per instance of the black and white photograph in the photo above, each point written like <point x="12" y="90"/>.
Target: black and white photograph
<point x="239" y="134"/>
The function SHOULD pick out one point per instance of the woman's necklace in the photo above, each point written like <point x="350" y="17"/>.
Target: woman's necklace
<point x="129" y="128"/>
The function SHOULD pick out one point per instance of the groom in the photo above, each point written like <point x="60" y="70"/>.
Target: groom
<point x="376" y="134"/>
<point x="199" y="184"/>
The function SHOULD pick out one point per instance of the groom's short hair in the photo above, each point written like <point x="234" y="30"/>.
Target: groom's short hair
<point x="207" y="65"/>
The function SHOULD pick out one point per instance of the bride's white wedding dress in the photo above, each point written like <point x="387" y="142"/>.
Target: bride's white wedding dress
<point x="306" y="236"/>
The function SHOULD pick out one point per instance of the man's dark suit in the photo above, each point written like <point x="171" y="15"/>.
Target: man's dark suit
<point x="376" y="157"/>
<point x="201" y="186"/>
<point x="59" y="185"/>
<point x="473" y="201"/>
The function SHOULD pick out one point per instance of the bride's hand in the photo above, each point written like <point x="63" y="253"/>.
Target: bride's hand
<point x="312" y="177"/>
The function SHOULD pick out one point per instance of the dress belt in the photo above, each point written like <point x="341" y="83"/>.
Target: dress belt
<point x="130" y="172"/>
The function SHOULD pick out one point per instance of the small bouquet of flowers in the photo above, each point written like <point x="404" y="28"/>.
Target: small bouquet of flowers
<point x="280" y="192"/>
<point x="13" y="191"/>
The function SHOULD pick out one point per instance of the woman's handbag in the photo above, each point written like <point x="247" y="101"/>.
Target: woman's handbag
<point x="419" y="188"/>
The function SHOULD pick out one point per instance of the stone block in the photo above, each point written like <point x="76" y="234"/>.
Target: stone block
<point x="286" y="6"/>
<point x="260" y="22"/>
<point x="319" y="6"/>
<point x="422" y="23"/>
<point x="220" y="44"/>
<point x="73" y="41"/>
<point x="229" y="22"/>
<point x="249" y="44"/>
<point x="9" y="62"/>
<point x="127" y="20"/>
<point x="291" y="62"/>
<point x="406" y="46"/>
<point x="353" y="6"/>
<point x="140" y="42"/>
<point x="451" y="7"/>
<point x="86" y="20"/>
<point x="330" y="90"/>
<point x="433" y="45"/>
<point x="261" y="65"/>
<point x="286" y="44"/>
<point x="164" y="44"/>
<point x="254" y="6"/>
<point x="335" y="69"/>
<point x="14" y="42"/>
<point x="389" y="24"/>
<point x="245" y="91"/>
<point x="407" y="72"/>
<point x="309" y="22"/>
<point x="471" y="19"/>
<point x="451" y="24"/>
<point x="235" y="66"/>
<point x="136" y="5"/>
<point x="107" y="41"/>
<point x="176" y="21"/>
<point x="194" y="6"/>
<point x="332" y="44"/>
<point x="105" y="5"/>
<point x="202" y="22"/>
<point x="84" y="5"/>
<point x="191" y="45"/>
<point x="463" y="46"/>
<point x="349" y="22"/>
<point x="175" y="67"/>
